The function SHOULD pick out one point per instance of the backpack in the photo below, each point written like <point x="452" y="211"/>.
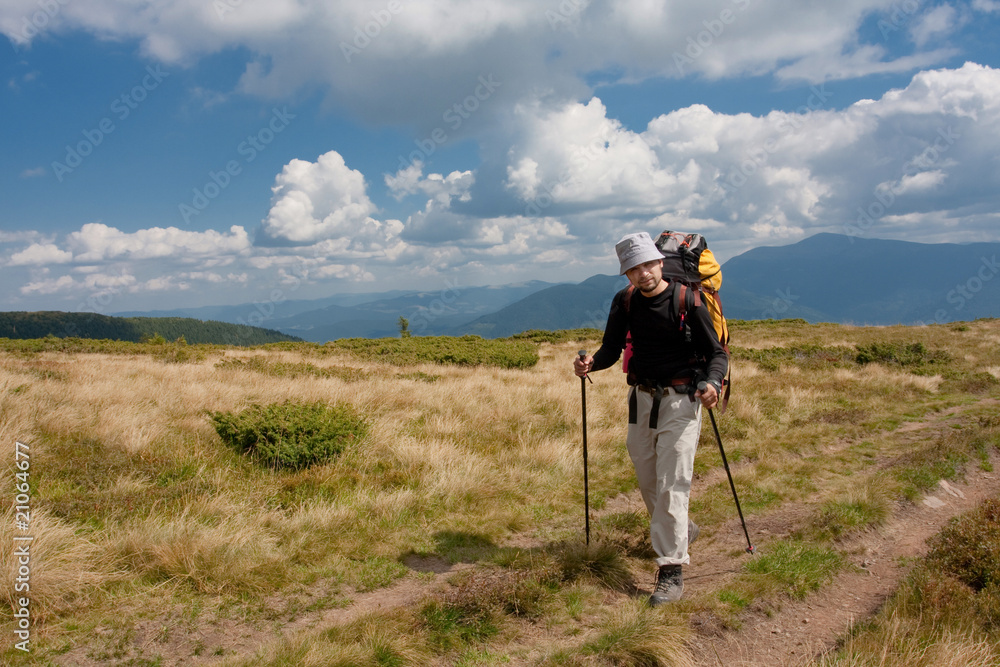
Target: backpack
<point x="696" y="277"/>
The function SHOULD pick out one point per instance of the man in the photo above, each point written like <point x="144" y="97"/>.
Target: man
<point x="669" y="360"/>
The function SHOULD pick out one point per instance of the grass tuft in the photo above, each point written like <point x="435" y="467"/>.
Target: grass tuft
<point x="635" y="635"/>
<point x="796" y="568"/>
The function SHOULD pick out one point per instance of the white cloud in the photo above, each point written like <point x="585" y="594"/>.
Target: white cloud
<point x="372" y="56"/>
<point x="863" y="61"/>
<point x="19" y="236"/>
<point x="921" y="182"/>
<point x="576" y="153"/>
<point x="778" y="176"/>
<point x="39" y="254"/>
<point x="443" y="188"/>
<point x="938" y="22"/>
<point x="49" y="286"/>
<point x="322" y="200"/>
<point x="97" y="242"/>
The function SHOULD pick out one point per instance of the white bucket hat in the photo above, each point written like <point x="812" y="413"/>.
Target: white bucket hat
<point x="636" y="249"/>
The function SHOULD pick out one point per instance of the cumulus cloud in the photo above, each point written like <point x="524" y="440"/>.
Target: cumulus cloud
<point x="95" y="283"/>
<point x="777" y="176"/>
<point x="38" y="254"/>
<point x="97" y="242"/>
<point x="323" y="200"/>
<point x="410" y="181"/>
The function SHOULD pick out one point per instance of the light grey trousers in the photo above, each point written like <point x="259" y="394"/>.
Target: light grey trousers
<point x="664" y="465"/>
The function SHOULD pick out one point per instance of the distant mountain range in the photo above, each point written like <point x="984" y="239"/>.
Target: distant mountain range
<point x="851" y="280"/>
<point x="824" y="278"/>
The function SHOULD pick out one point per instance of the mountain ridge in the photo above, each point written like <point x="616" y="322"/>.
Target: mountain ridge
<point x="822" y="278"/>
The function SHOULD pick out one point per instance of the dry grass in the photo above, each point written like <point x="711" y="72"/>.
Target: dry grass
<point x="907" y="642"/>
<point x="133" y="488"/>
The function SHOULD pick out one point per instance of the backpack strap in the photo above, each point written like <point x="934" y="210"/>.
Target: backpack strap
<point x="685" y="300"/>
<point x="630" y="376"/>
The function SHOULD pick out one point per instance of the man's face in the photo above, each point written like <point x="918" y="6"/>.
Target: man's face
<point x="647" y="276"/>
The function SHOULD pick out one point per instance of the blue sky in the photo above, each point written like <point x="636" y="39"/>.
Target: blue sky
<point x="195" y="152"/>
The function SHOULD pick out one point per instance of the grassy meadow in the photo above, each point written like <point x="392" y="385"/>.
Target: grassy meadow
<point x="157" y="541"/>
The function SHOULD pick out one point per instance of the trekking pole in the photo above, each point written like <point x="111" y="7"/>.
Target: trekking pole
<point x="725" y="463"/>
<point x="586" y="490"/>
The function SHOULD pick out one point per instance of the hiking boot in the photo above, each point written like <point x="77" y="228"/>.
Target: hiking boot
<point x="669" y="585"/>
<point x="693" y="531"/>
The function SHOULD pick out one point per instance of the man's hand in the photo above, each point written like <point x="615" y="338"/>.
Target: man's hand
<point x="707" y="394"/>
<point x="582" y="366"/>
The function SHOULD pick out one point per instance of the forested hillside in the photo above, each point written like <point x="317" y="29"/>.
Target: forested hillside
<point x="91" y="325"/>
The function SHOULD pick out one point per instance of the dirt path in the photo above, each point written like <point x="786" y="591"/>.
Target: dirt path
<point x="801" y="631"/>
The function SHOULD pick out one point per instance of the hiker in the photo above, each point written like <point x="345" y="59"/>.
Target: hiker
<point x="665" y="369"/>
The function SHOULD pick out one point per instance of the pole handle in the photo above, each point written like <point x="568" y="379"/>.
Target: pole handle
<point x="583" y="355"/>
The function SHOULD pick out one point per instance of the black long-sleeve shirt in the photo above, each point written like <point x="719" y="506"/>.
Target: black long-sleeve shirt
<point x="660" y="352"/>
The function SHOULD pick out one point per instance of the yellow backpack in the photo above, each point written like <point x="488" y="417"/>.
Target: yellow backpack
<point x="687" y="260"/>
<point x="695" y="272"/>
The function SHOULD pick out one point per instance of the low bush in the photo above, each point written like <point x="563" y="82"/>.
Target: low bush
<point x="290" y="435"/>
<point x="806" y="356"/>
<point x="561" y="336"/>
<point x="460" y="351"/>
<point x="900" y="354"/>
<point x="969" y="550"/>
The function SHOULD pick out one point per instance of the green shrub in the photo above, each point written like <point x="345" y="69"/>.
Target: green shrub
<point x="806" y="356"/>
<point x="901" y="354"/>
<point x="290" y="435"/>
<point x="969" y="550"/>
<point x="561" y="336"/>
<point x="460" y="351"/>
